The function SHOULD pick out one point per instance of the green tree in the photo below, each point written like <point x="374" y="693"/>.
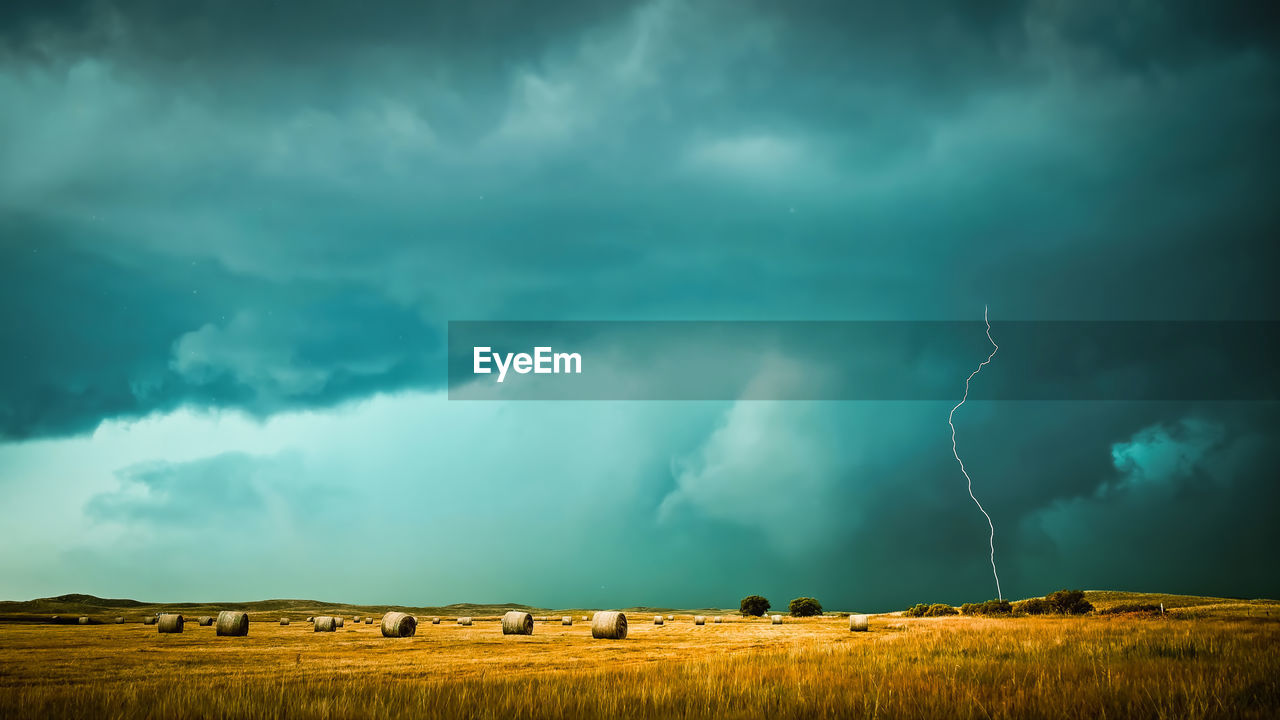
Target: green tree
<point x="940" y="610"/>
<point x="754" y="605"/>
<point x="1033" y="606"/>
<point x="1069" y="602"/>
<point x="917" y="610"/>
<point x="805" y="607"/>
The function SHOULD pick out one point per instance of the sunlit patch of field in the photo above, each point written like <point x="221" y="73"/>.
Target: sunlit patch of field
<point x="1173" y="667"/>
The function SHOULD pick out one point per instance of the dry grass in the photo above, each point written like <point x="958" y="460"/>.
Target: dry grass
<point x="1221" y="666"/>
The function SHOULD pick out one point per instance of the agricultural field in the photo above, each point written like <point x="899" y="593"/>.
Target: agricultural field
<point x="1204" y="658"/>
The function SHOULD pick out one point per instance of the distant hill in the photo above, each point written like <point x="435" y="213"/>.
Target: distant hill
<point x="75" y="605"/>
<point x="1104" y="599"/>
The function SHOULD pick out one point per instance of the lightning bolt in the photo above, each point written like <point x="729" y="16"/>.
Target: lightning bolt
<point x="954" y="451"/>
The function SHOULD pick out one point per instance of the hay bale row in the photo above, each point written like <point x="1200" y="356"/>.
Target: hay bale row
<point x="516" y="622"/>
<point x="858" y="623"/>
<point x="399" y="625"/>
<point x="233" y="623"/>
<point x="169" y="623"/>
<point x="609" y="625"/>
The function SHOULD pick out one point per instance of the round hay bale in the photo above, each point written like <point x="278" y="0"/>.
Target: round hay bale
<point x="777" y="619"/>
<point x="119" y="621"/>
<point x="517" y="623"/>
<point x="464" y="621"/>
<point x="338" y="621"/>
<point x="609" y="625"/>
<point x="150" y="620"/>
<point x="169" y="623"/>
<point x="699" y="620"/>
<point x="356" y="619"/>
<point x="233" y="623"/>
<point x="284" y="621"/>
<point x="435" y="621"/>
<point x="83" y="621"/>
<point x="399" y="625"/>
<point x="566" y="620"/>
<point x="55" y="618"/>
<point x="657" y="619"/>
<point x="205" y="620"/>
<point x="586" y="618"/>
<point x="717" y="620"/>
<point x="671" y="618"/>
<point x="858" y="623"/>
<point x="324" y="623"/>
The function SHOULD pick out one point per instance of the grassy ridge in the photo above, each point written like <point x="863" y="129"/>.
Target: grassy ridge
<point x="105" y="609"/>
<point x="265" y="610"/>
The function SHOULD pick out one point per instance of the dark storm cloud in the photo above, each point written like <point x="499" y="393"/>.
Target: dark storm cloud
<point x="275" y="207"/>
<point x="96" y="339"/>
<point x="666" y="160"/>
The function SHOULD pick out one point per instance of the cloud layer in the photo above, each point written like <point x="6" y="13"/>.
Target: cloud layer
<point x="231" y="238"/>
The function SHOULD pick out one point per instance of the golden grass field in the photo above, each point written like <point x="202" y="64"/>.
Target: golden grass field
<point x="1206" y="659"/>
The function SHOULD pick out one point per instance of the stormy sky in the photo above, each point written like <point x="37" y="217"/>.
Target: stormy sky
<point x="232" y="235"/>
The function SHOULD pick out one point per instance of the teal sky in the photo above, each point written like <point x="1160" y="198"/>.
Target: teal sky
<point x="232" y="237"/>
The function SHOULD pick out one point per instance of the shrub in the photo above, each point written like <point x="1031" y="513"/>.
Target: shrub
<point x="917" y="610"/>
<point x="996" y="607"/>
<point x="940" y="610"/>
<point x="1033" y="606"/>
<point x="805" y="607"/>
<point x="1069" y="602"/>
<point x="754" y="605"/>
<point x="990" y="607"/>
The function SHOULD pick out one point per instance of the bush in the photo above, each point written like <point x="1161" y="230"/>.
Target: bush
<point x="1069" y="602"/>
<point x="917" y="610"/>
<point x="805" y="607"/>
<point x="997" y="607"/>
<point x="926" y="610"/>
<point x="990" y="607"/>
<point x="754" y="605"/>
<point x="1034" y="606"/>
